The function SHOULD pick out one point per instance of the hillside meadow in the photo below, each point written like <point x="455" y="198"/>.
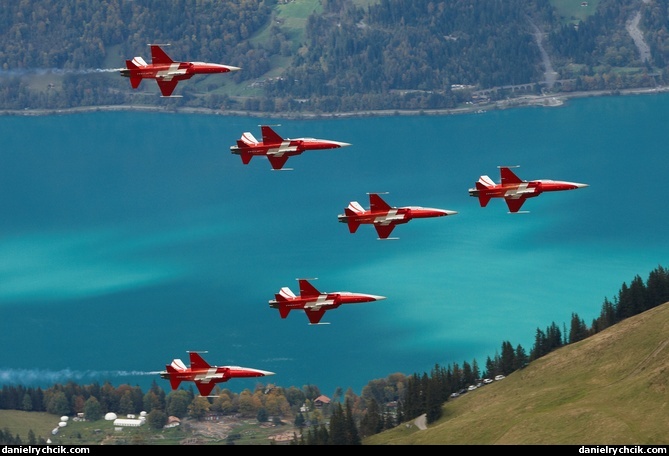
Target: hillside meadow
<point x="609" y="389"/>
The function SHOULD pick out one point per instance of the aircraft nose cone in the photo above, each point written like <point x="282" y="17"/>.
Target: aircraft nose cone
<point x="427" y="212"/>
<point x="376" y="297"/>
<point x="354" y="298"/>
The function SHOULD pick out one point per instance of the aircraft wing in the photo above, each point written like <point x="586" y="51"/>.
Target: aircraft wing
<point x="314" y="316"/>
<point x="277" y="161"/>
<point x="205" y="388"/>
<point x="384" y="230"/>
<point x="307" y="290"/>
<point x="377" y="204"/>
<point x="514" y="203"/>
<point x="269" y="136"/>
<point x="508" y="176"/>
<point x="167" y="86"/>
<point x="159" y="56"/>
<point x="197" y="362"/>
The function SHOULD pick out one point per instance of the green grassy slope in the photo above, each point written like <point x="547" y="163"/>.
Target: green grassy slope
<point x="19" y="423"/>
<point x="573" y="11"/>
<point x="611" y="388"/>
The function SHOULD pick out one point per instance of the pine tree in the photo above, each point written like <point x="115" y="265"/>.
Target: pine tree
<point x="433" y="402"/>
<point x="338" y="426"/>
<point x="352" y="434"/>
<point x="578" y="330"/>
<point x="508" y="359"/>
<point x="372" y="420"/>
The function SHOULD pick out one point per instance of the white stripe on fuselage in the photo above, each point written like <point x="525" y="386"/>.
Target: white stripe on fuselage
<point x="209" y="375"/>
<point x="521" y="190"/>
<point x="321" y="301"/>
<point x="390" y="216"/>
<point x="282" y="149"/>
<point x="172" y="71"/>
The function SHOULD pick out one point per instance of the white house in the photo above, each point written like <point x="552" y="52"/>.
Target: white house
<point x="127" y="422"/>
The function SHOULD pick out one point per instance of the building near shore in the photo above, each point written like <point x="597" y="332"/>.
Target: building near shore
<point x="129" y="422"/>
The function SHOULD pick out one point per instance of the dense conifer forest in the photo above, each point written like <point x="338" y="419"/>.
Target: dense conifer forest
<point x="351" y="55"/>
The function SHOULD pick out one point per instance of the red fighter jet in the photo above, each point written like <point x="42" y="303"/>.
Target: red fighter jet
<point x="514" y="190"/>
<point x="204" y="375"/>
<point x="315" y="303"/>
<point x="385" y="217"/>
<point x="166" y="71"/>
<point x="277" y="149"/>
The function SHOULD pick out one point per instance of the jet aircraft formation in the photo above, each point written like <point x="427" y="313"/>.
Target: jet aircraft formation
<point x="383" y="217"/>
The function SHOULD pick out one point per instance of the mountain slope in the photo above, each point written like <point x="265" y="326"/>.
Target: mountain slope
<point x="611" y="388"/>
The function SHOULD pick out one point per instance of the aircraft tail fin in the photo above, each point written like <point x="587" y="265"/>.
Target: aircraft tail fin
<point x="173" y="369"/>
<point x="134" y="82"/>
<point x="284" y="310"/>
<point x="484" y="183"/>
<point x="132" y="65"/>
<point x="247" y="140"/>
<point x="282" y="298"/>
<point x="246" y="157"/>
<point x="174" y="381"/>
<point x="135" y="63"/>
<point x="354" y="208"/>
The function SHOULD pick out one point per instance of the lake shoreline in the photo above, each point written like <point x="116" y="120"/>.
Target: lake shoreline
<point x="551" y="100"/>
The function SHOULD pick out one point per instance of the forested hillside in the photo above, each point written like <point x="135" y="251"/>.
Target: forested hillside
<point x="350" y="55"/>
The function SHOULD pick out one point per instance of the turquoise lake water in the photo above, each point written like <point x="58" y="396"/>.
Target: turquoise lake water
<point x="129" y="238"/>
